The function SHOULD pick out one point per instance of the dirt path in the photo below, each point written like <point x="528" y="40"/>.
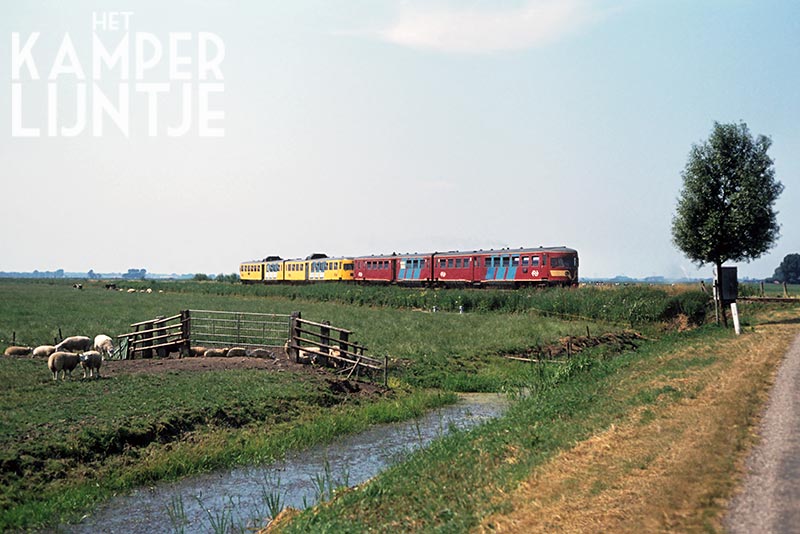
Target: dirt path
<point x="770" y="498"/>
<point x="669" y="466"/>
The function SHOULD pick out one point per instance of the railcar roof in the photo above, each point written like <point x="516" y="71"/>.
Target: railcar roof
<point x="508" y="251"/>
<point x="471" y="252"/>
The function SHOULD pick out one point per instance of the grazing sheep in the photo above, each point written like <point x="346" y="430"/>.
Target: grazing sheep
<point x="43" y="351"/>
<point x="62" y="361"/>
<point x="18" y="351"/>
<point x="92" y="361"/>
<point x="104" y="345"/>
<point x="260" y="353"/>
<point x="131" y="290"/>
<point x="237" y="352"/>
<point x="197" y="351"/>
<point x="77" y="286"/>
<point x="219" y="353"/>
<point x="75" y="344"/>
<point x="149" y="290"/>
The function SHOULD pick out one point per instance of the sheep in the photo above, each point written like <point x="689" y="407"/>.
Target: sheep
<point x="18" y="351"/>
<point x="131" y="290"/>
<point x="92" y="361"/>
<point x="43" y="351"/>
<point x="260" y="353"/>
<point x="197" y="351"/>
<point x="62" y="361"/>
<point x="237" y="352"/>
<point x="104" y="345"/>
<point x="219" y="353"/>
<point x="75" y="343"/>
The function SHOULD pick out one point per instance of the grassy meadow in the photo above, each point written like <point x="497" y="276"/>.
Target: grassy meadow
<point x="66" y="445"/>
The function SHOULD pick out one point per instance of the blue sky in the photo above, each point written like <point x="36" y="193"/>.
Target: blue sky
<point x="373" y="127"/>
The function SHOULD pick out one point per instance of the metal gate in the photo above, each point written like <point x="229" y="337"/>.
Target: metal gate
<point x="238" y="329"/>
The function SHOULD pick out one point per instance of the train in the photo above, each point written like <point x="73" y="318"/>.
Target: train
<point x="523" y="267"/>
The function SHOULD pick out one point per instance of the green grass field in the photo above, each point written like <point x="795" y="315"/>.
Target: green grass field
<point x="68" y="444"/>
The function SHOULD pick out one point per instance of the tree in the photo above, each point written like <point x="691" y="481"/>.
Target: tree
<point x="789" y="270"/>
<point x="726" y="210"/>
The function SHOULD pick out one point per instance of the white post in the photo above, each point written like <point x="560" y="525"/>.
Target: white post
<point x="735" y="313"/>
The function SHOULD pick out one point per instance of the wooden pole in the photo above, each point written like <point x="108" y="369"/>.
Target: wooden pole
<point x="785" y="291"/>
<point x="294" y="334"/>
<point x="386" y="371"/>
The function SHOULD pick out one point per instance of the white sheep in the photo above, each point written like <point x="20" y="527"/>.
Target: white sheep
<point x="75" y="344"/>
<point x="237" y="352"/>
<point x="104" y="345"/>
<point x="62" y="361"/>
<point x="91" y="361"/>
<point x="216" y="353"/>
<point x="18" y="351"/>
<point x="43" y="351"/>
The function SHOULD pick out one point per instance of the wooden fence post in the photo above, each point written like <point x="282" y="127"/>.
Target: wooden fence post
<point x="161" y="352"/>
<point x="294" y="334"/>
<point x="386" y="371"/>
<point x="186" y="332"/>
<point x="785" y="291"/>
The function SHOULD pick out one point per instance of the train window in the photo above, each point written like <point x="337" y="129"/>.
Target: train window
<point x="515" y="261"/>
<point x="466" y="263"/>
<point x="504" y="261"/>
<point x="534" y="261"/>
<point x="544" y="260"/>
<point x="348" y="267"/>
<point x="458" y="263"/>
<point x="450" y="263"/>
<point x="526" y="261"/>
<point x="442" y="263"/>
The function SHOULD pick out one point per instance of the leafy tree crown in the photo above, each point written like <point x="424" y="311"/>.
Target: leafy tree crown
<point x="726" y="210"/>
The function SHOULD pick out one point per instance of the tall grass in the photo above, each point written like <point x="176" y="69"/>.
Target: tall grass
<point x="631" y="305"/>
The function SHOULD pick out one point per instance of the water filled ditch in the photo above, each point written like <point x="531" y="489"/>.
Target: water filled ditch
<point x="227" y="501"/>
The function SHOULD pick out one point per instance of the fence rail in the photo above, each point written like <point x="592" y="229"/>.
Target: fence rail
<point x="238" y="329"/>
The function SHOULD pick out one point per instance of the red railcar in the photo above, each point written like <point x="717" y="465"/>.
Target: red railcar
<point x="507" y="267"/>
<point x="404" y="269"/>
<point x="500" y="267"/>
<point x="379" y="269"/>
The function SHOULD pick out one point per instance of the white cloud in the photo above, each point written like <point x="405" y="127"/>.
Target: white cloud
<point x="475" y="31"/>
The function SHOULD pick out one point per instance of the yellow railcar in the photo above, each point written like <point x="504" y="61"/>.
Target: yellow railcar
<point x="338" y="269"/>
<point x="251" y="271"/>
<point x="274" y="270"/>
<point x="296" y="270"/>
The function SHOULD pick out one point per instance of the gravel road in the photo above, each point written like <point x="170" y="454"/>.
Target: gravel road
<point x="770" y="498"/>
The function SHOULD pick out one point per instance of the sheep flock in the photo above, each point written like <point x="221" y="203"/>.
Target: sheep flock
<point x="64" y="357"/>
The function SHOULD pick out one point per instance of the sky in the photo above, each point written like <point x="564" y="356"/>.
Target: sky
<point x="362" y="127"/>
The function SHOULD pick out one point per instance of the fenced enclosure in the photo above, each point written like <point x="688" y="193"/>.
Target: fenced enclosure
<point x="238" y="329"/>
<point x="306" y="341"/>
<point x="163" y="335"/>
